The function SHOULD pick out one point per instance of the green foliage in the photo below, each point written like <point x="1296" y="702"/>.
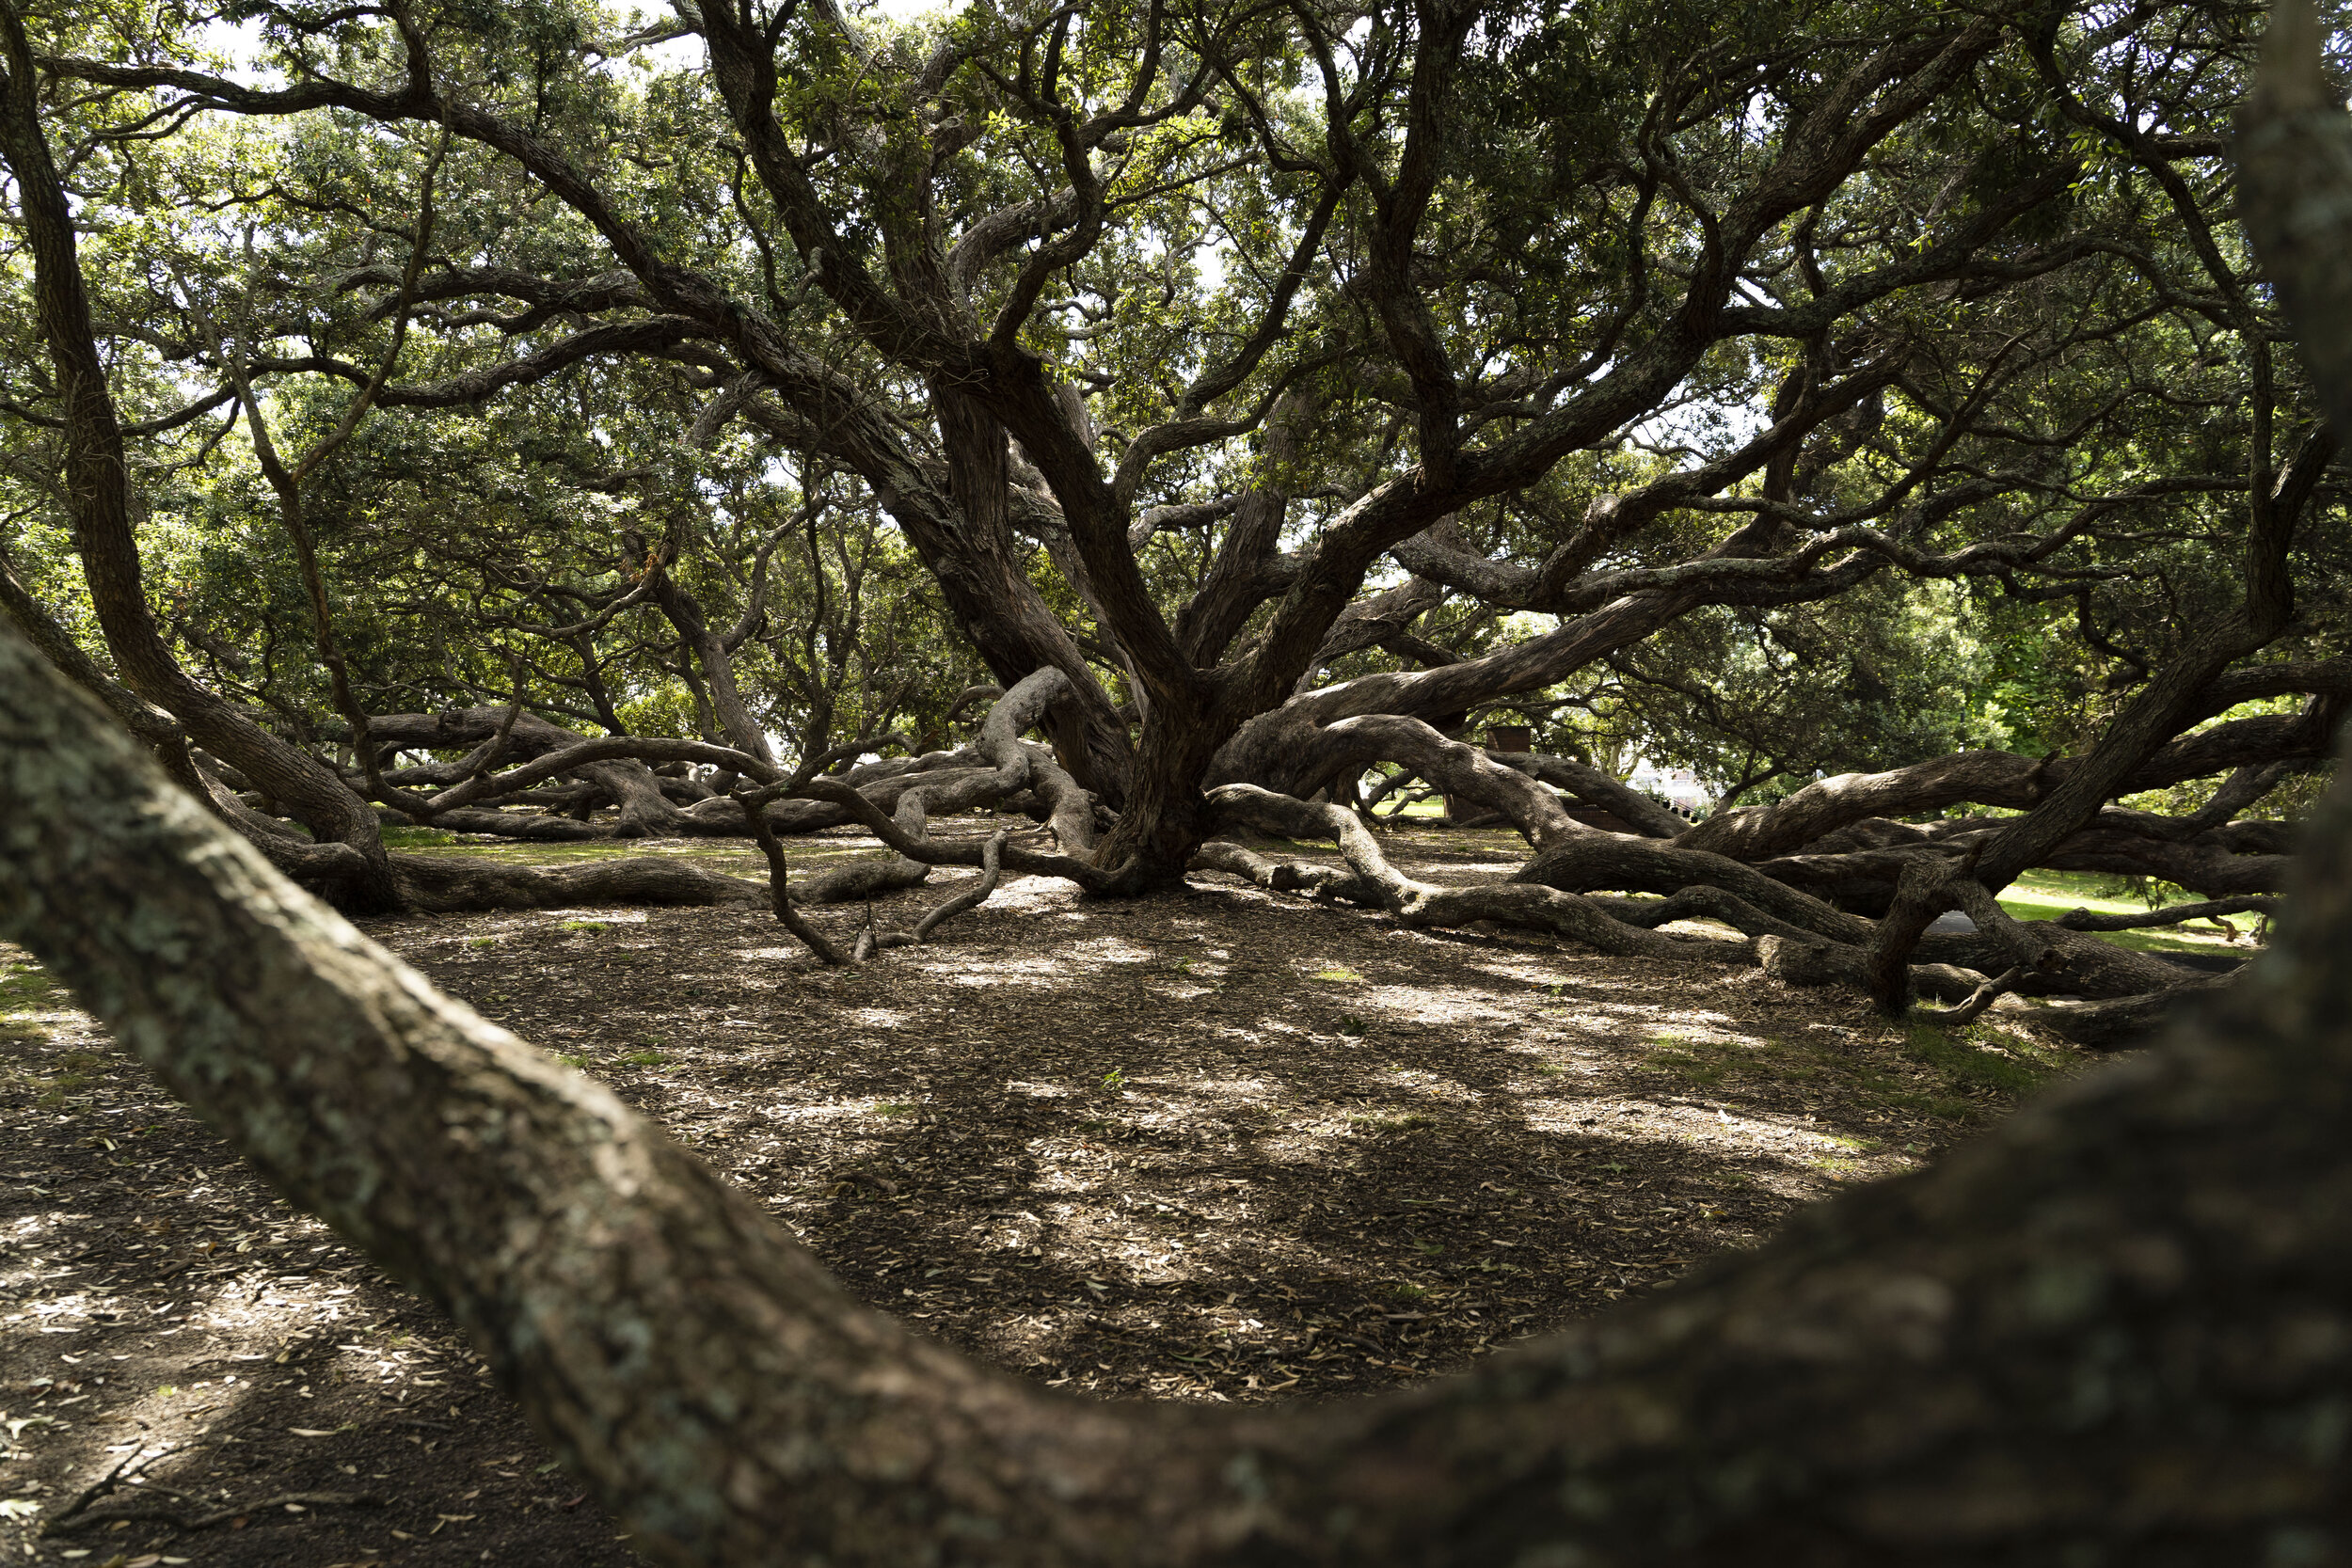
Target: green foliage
<point x="2056" y="372"/>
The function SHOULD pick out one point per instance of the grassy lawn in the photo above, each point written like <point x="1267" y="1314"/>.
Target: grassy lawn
<point x="2047" y="894"/>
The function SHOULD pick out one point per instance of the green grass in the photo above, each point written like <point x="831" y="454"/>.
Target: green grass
<point x="586" y="927"/>
<point x="75" y="1074"/>
<point x="1700" y="1063"/>
<point x="26" y="988"/>
<point x="1966" y="1076"/>
<point x="2012" y="1067"/>
<point x="2047" y="894"/>
<point x="645" y="1058"/>
<point x="895" y="1108"/>
<point x="1338" y="977"/>
<point x="397" y="837"/>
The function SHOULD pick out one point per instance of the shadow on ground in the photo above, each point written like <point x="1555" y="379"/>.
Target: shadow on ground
<point x="1214" y="1145"/>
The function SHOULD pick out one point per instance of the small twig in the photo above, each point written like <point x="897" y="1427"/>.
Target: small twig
<point x="98" y="1489"/>
<point x="205" y="1521"/>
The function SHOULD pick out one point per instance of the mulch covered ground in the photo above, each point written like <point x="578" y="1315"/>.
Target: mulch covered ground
<point x="1216" y="1145"/>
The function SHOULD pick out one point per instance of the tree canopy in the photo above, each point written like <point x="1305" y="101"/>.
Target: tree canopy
<point x="1804" y="393"/>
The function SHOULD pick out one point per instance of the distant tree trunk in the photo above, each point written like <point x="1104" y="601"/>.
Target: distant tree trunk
<point x="709" y="651"/>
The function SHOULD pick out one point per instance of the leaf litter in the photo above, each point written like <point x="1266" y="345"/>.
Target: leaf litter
<point x="1214" y="1145"/>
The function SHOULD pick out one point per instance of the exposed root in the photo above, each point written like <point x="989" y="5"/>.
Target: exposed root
<point x="1427" y="905"/>
<point x="780" y="898"/>
<point x="2028" y="956"/>
<point x="1322" y="881"/>
<point x="446" y="885"/>
<point x="1975" y="1002"/>
<point x="864" y="879"/>
<point x="2172" y="914"/>
<point x="2128" y="1021"/>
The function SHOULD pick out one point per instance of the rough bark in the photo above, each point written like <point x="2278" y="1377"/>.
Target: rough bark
<point x="1427" y="905"/>
<point x="2295" y="166"/>
<point x="1597" y="789"/>
<point x="442" y="884"/>
<point x="626" y="778"/>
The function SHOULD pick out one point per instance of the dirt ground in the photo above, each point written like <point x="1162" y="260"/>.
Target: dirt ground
<point x="1216" y="1145"/>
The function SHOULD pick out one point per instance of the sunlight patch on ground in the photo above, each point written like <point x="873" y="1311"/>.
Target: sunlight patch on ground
<point x="1048" y="974"/>
<point x="1710" y="929"/>
<point x="1523" y="972"/>
<point x="831" y="1110"/>
<point x="1107" y="950"/>
<point x="1619" y="1120"/>
<point x="1683" y="1028"/>
<point x="1034" y="895"/>
<point x="1425" y="1005"/>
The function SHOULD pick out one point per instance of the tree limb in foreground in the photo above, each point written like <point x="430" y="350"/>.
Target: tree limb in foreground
<point x="1995" y="1361"/>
